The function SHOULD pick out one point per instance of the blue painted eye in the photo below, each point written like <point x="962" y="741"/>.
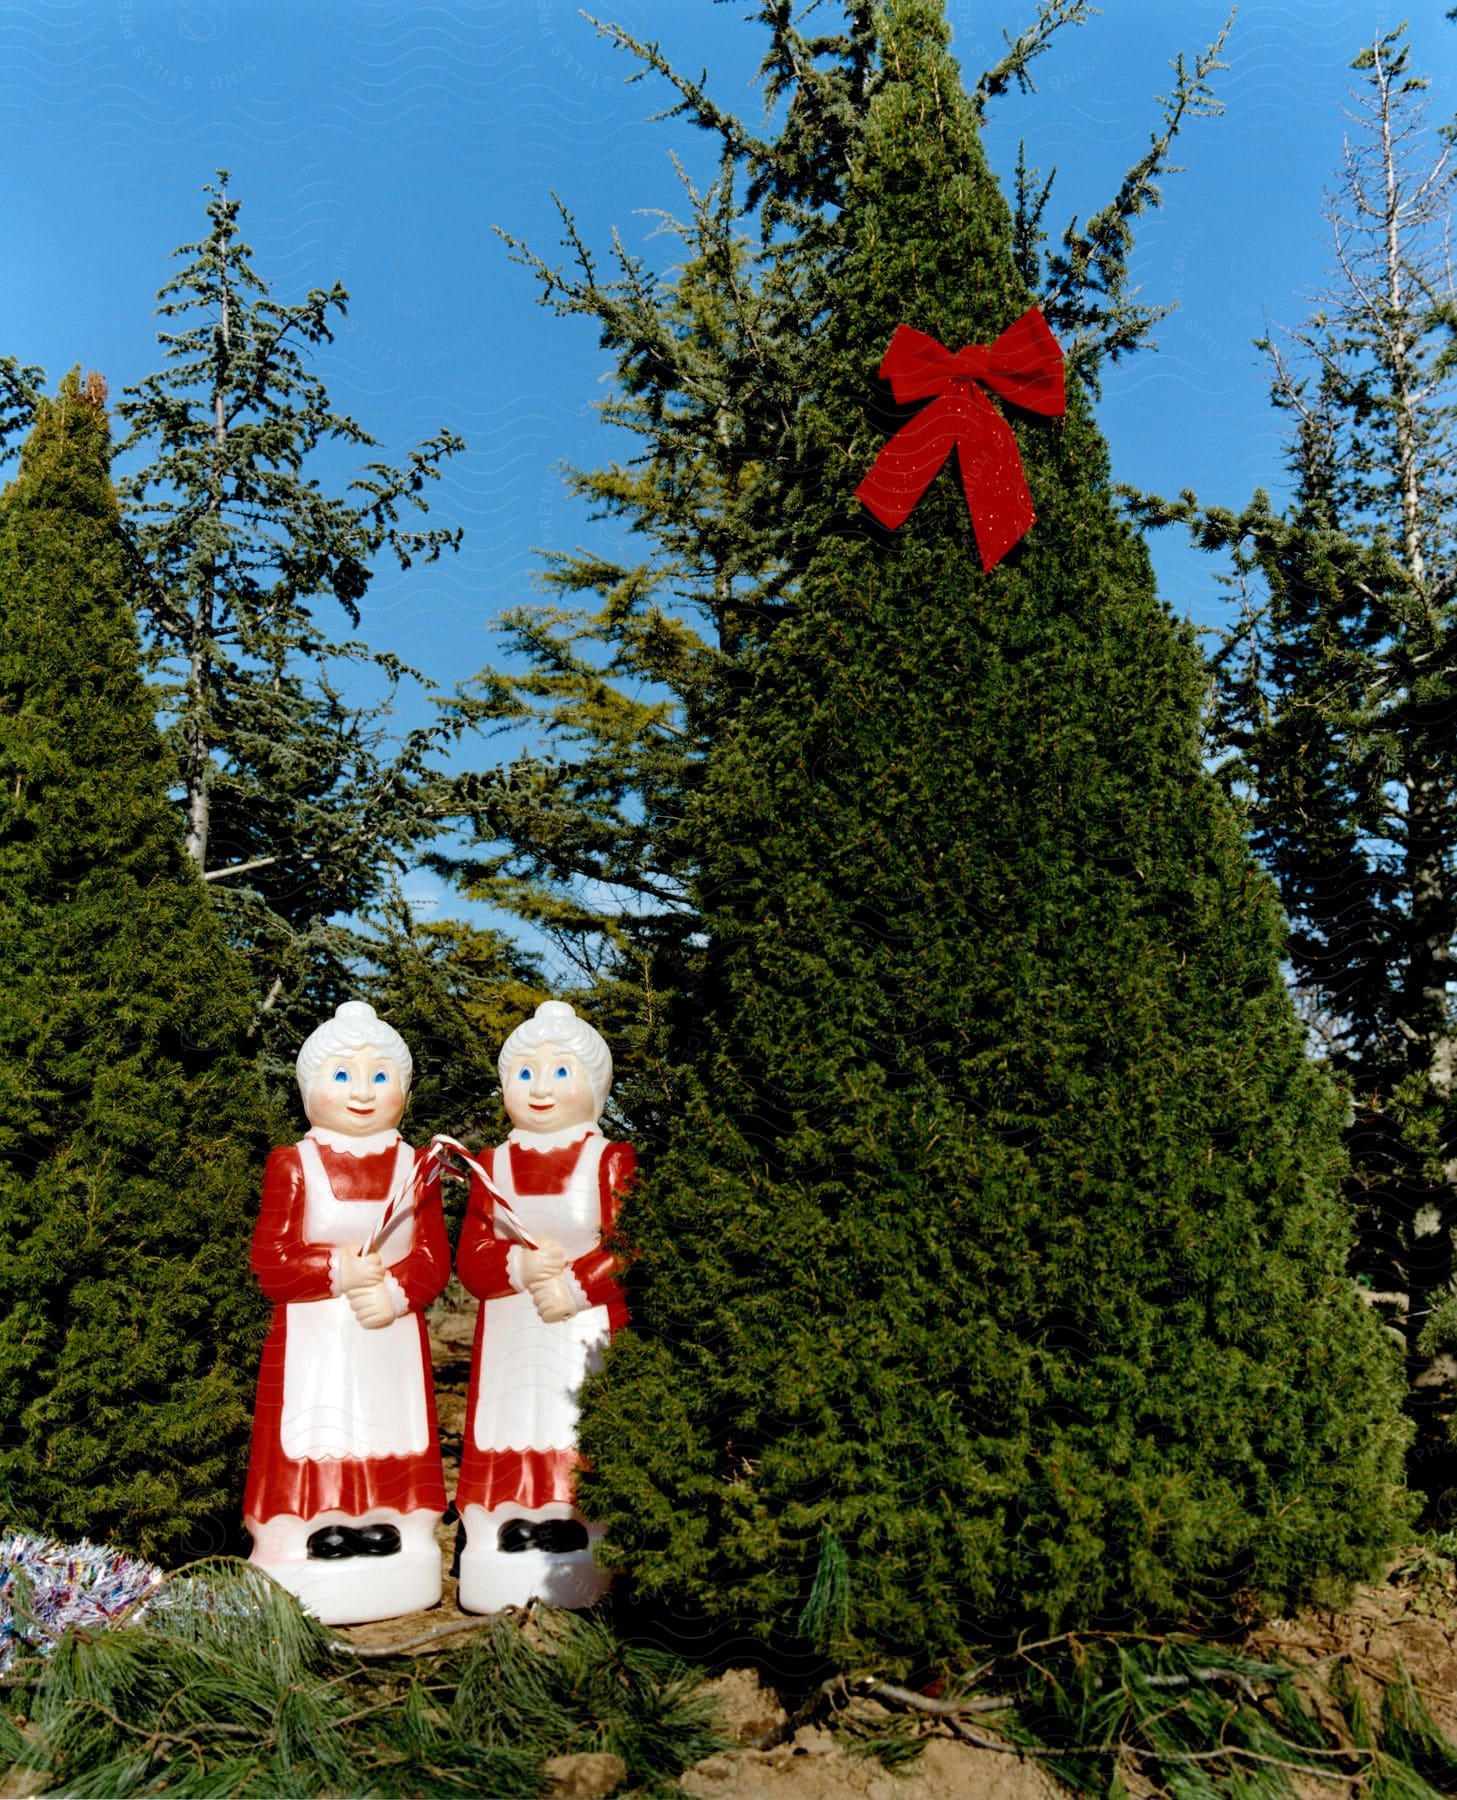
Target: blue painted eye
<point x="525" y="1075"/>
<point x="381" y="1079"/>
<point x="561" y="1073"/>
<point x="342" y="1075"/>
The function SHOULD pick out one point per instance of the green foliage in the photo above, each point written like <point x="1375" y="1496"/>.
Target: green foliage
<point x="826" y="1614"/>
<point x="1410" y="1734"/>
<point x="1084" y="291"/>
<point x="998" y="1233"/>
<point x="1200" y="1720"/>
<point x="1335" y="687"/>
<point x="584" y="1688"/>
<point x="19" y="391"/>
<point x="637" y="658"/>
<point x="299" y="805"/>
<point x="454" y="992"/>
<point x="224" y="1686"/>
<point x="131" y="1120"/>
<point x="1176" y="1709"/>
<point x="1024" y="49"/>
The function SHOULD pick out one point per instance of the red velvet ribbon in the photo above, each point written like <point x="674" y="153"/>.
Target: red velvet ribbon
<point x="1024" y="366"/>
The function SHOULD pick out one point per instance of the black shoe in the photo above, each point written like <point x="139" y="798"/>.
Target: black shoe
<point x="516" y="1534"/>
<point x="330" y="1542"/>
<point x="561" y="1535"/>
<point x="377" y="1540"/>
<point x="555" y="1536"/>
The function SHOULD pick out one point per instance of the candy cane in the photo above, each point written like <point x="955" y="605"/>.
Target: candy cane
<point x="411" y="1183"/>
<point x="503" y="1209"/>
<point x="438" y="1148"/>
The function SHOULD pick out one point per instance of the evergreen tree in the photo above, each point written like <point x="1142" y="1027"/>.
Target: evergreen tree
<point x="131" y="1126"/>
<point x="1336" y="691"/>
<point x="632" y="662"/>
<point x="993" y="1267"/>
<point x="299" y="806"/>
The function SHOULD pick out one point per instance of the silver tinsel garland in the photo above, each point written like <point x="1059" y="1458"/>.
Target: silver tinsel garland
<point x="46" y="1586"/>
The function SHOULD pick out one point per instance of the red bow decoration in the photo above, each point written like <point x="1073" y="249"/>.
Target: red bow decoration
<point x="1024" y="365"/>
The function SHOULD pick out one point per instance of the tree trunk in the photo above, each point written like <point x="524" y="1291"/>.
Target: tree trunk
<point x="199" y="670"/>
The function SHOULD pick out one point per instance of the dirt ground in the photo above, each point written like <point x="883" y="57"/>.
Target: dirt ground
<point x="1410" y="1618"/>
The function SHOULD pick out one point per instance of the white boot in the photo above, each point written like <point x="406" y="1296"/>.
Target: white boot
<point x="492" y="1576"/>
<point x="351" y="1590"/>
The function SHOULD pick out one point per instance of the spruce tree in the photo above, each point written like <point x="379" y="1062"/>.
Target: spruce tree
<point x="993" y="1270"/>
<point x="131" y="1127"/>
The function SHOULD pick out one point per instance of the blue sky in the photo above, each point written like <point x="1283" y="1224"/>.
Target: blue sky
<point x="378" y="142"/>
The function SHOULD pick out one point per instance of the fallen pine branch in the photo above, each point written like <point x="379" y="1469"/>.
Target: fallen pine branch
<point x="936" y="1709"/>
<point x="411" y="1646"/>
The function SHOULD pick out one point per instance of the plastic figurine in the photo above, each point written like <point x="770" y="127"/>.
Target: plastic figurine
<point x="345" y="1484"/>
<point x="549" y="1302"/>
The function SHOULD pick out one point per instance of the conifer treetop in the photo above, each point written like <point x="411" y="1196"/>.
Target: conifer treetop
<point x="620" y="672"/>
<point x="300" y="808"/>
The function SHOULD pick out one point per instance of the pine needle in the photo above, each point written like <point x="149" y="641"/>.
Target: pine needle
<point x="826" y="1614"/>
<point x="222" y="1685"/>
<point x="1204" y="1722"/>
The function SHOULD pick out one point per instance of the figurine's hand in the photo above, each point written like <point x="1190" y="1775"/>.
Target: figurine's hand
<point x="553" y="1301"/>
<point x="372" y="1306"/>
<point x="359" y="1269"/>
<point x="544" y="1263"/>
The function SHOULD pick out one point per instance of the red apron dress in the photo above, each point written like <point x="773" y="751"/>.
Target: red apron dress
<point x="519" y="1447"/>
<point x="345" y="1418"/>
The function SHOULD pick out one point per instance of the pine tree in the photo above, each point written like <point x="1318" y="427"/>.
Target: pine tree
<point x="131" y="1124"/>
<point x="992" y="1272"/>
<point x="1336" y="691"/>
<point x="299" y="805"/>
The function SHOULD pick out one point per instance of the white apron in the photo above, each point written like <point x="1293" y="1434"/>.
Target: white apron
<point x="532" y="1372"/>
<point x="348" y="1391"/>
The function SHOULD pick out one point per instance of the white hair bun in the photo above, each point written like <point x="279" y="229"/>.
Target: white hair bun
<point x="356" y="1012"/>
<point x="555" y="1012"/>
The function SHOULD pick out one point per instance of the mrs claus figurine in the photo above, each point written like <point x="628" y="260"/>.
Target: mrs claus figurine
<point x="345" y="1486"/>
<point x="549" y="1302"/>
